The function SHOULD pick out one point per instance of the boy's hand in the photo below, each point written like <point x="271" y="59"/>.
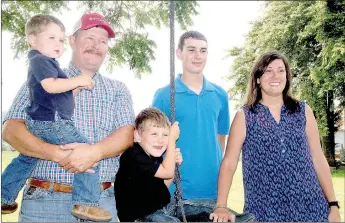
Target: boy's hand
<point x="76" y="91"/>
<point x="174" y="131"/>
<point x="178" y="156"/>
<point x="90" y="87"/>
<point x="85" y="81"/>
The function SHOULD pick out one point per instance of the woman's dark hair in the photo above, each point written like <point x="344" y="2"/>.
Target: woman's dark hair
<point x="253" y="89"/>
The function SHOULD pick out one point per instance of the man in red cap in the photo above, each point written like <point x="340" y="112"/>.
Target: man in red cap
<point x="90" y="20"/>
<point x="104" y="115"/>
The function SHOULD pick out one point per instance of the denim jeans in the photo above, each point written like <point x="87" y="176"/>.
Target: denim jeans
<point x="196" y="210"/>
<point x="160" y="216"/>
<point x="40" y="205"/>
<point x="86" y="186"/>
<point x="192" y="207"/>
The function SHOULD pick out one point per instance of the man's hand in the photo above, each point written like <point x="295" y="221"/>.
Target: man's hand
<point x="81" y="159"/>
<point x="61" y="154"/>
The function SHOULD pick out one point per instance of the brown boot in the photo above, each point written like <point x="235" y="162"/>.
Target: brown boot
<point x="8" y="208"/>
<point x="91" y="213"/>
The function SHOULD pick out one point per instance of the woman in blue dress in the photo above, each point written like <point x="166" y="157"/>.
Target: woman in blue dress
<point x="285" y="173"/>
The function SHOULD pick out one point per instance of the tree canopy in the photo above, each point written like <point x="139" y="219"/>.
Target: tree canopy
<point x="311" y="34"/>
<point x="129" y="18"/>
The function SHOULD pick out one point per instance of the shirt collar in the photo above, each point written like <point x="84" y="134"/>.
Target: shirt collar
<point x="264" y="107"/>
<point x="34" y="52"/>
<point x="74" y="71"/>
<point x="182" y="87"/>
<point x="137" y="146"/>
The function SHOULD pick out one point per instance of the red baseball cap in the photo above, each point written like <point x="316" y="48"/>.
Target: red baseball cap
<point x="90" y="20"/>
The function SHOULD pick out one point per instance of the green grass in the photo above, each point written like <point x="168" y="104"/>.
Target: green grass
<point x="235" y="199"/>
<point x="340" y="172"/>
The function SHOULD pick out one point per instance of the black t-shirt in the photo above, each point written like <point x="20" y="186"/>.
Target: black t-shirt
<point x="137" y="192"/>
<point x="44" y="105"/>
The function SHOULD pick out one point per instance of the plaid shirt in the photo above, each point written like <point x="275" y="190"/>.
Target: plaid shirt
<point x="97" y="114"/>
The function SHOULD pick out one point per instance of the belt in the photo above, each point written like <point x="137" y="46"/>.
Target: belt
<point x="45" y="184"/>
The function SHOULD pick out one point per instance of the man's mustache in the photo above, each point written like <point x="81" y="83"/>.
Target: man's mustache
<point x="93" y="52"/>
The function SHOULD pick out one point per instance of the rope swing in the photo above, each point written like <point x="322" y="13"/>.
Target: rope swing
<point x="177" y="179"/>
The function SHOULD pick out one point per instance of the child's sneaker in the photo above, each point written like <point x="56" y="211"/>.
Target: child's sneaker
<point x="91" y="213"/>
<point x="8" y="208"/>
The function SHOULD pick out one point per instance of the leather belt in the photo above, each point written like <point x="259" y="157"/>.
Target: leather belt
<point x="45" y="184"/>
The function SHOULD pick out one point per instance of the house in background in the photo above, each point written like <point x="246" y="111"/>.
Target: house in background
<point x="339" y="140"/>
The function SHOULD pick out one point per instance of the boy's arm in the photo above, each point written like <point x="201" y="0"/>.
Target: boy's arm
<point x="178" y="161"/>
<point x="76" y="91"/>
<point x="59" y="85"/>
<point x="168" y="182"/>
<point x="46" y="71"/>
<point x="167" y="169"/>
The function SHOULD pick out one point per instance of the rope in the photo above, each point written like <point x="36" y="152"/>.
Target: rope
<point x="177" y="179"/>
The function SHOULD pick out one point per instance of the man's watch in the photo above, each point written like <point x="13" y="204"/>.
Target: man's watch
<point x="333" y="203"/>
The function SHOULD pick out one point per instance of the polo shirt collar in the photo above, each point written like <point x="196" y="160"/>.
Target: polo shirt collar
<point x="33" y="53"/>
<point x="74" y="71"/>
<point x="181" y="87"/>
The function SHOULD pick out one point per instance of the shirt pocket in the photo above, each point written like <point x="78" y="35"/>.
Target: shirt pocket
<point x="106" y="118"/>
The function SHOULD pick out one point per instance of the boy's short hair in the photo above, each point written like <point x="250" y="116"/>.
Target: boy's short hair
<point x="153" y="116"/>
<point x="190" y="34"/>
<point x="38" y="23"/>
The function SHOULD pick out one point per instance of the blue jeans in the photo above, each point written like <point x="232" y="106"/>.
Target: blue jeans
<point x="196" y="210"/>
<point x="192" y="207"/>
<point x="40" y="205"/>
<point x="86" y="186"/>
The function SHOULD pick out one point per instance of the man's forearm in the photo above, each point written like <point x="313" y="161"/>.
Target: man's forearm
<point x="18" y="136"/>
<point x="116" y="143"/>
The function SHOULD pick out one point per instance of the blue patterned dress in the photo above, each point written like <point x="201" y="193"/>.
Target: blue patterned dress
<point x="280" y="181"/>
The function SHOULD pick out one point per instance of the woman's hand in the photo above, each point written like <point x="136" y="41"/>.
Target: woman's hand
<point x="221" y="214"/>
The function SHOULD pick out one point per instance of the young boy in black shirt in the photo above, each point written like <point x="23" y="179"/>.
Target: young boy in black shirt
<point x="141" y="185"/>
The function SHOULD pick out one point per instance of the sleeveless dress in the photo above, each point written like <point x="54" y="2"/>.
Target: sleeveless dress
<point x="280" y="180"/>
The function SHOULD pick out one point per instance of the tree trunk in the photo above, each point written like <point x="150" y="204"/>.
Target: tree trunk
<point x="328" y="141"/>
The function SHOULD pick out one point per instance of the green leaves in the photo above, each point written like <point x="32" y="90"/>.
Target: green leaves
<point x="130" y="20"/>
<point x="301" y="31"/>
<point x="15" y="14"/>
<point x="311" y="34"/>
<point x="134" y="50"/>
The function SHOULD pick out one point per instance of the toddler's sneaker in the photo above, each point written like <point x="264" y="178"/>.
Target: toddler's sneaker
<point x="91" y="213"/>
<point x="8" y="208"/>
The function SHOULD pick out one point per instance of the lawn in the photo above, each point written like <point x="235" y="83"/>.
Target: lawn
<point x="236" y="197"/>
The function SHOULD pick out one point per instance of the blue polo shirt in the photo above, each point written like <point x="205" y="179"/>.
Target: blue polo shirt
<point x="201" y="117"/>
<point x="45" y="105"/>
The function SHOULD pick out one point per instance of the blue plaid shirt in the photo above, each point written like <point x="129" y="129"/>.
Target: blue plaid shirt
<point x="97" y="114"/>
